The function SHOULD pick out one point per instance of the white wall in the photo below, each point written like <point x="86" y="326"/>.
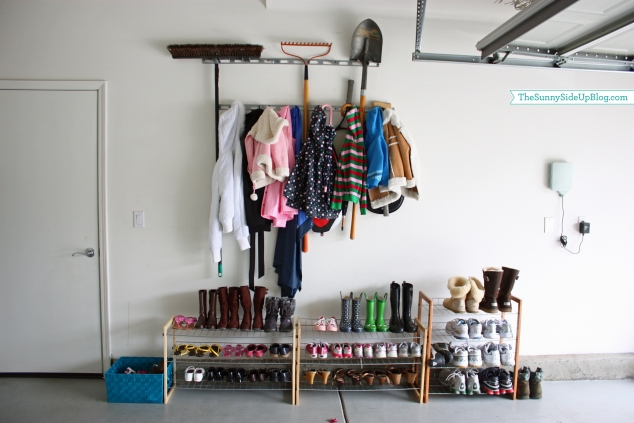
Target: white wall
<point x="484" y="190"/>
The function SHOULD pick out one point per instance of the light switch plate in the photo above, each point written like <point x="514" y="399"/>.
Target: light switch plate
<point x="139" y="219"/>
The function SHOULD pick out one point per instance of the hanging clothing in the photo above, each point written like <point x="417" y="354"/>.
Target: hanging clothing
<point x="268" y="158"/>
<point x="352" y="172"/>
<point x="288" y="256"/>
<point x="227" y="203"/>
<point x="297" y="123"/>
<point x="274" y="203"/>
<point x="257" y="224"/>
<point x="309" y="187"/>
<point x="376" y="149"/>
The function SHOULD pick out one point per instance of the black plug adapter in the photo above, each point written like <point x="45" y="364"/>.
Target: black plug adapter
<point x="584" y="227"/>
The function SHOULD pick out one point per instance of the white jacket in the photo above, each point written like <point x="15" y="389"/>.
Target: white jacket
<point x="227" y="197"/>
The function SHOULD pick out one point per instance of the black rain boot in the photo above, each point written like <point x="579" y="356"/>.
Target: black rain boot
<point x="287" y="309"/>
<point x="271" y="305"/>
<point x="357" y="326"/>
<point x="396" y="324"/>
<point x="509" y="276"/>
<point x="344" y="324"/>
<point x="408" y="295"/>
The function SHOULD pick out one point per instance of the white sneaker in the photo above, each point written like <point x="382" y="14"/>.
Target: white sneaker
<point x="453" y="380"/>
<point x="507" y="356"/>
<point x="392" y="350"/>
<point x="357" y="350"/>
<point x="189" y="373"/>
<point x="198" y="374"/>
<point x="414" y="349"/>
<point x="475" y="329"/>
<point x="489" y="329"/>
<point x="403" y="350"/>
<point x="460" y="357"/>
<point x="475" y="356"/>
<point x="490" y="355"/>
<point x="380" y="350"/>
<point x="367" y="351"/>
<point x="473" y="382"/>
<point x="458" y="328"/>
<point x="504" y="329"/>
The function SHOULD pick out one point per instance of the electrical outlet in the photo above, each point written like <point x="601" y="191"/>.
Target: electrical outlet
<point x="583" y="219"/>
<point x="548" y="225"/>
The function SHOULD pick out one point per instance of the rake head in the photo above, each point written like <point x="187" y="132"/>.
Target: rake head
<point x="306" y="61"/>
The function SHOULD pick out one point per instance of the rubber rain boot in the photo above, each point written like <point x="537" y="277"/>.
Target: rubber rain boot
<point x="258" y="305"/>
<point x="408" y="296"/>
<point x="234" y="306"/>
<point x="223" y="301"/>
<point x="202" y="309"/>
<point x="509" y="276"/>
<point x="345" y="325"/>
<point x="370" y="324"/>
<point x="357" y="326"/>
<point x="381" y="326"/>
<point x="396" y="324"/>
<point x="271" y="304"/>
<point x="492" y="280"/>
<point x="245" y="302"/>
<point x="211" y="317"/>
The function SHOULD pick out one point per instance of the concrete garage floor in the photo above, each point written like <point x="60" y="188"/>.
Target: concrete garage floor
<point x="79" y="400"/>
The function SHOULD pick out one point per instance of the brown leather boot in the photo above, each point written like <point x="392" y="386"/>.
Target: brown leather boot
<point x="245" y="301"/>
<point x="211" y="317"/>
<point x="258" y="305"/>
<point x="492" y="280"/>
<point x="509" y="276"/>
<point x="223" y="300"/>
<point x="202" y="309"/>
<point x="234" y="305"/>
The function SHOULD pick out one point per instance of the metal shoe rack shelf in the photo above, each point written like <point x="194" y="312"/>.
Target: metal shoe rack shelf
<point x="306" y="334"/>
<point x="225" y="337"/>
<point x="431" y="309"/>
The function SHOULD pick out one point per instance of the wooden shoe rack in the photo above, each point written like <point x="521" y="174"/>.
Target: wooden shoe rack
<point x="435" y="315"/>
<point x="307" y="334"/>
<point x="225" y="337"/>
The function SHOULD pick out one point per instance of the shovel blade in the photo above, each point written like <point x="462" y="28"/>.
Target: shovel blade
<point x="367" y="42"/>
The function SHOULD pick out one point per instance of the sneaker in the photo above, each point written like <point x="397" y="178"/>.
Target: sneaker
<point x="320" y="324"/>
<point x="380" y="350"/>
<point x="475" y="356"/>
<point x="331" y="325"/>
<point x="336" y="351"/>
<point x="403" y="350"/>
<point x="189" y="373"/>
<point x="490" y="354"/>
<point x="460" y="357"/>
<point x="489" y="329"/>
<point x="346" y="351"/>
<point x="312" y="349"/>
<point x="367" y="351"/>
<point x="506" y="383"/>
<point x="322" y="350"/>
<point x="357" y="350"/>
<point x="458" y="328"/>
<point x="489" y="381"/>
<point x="437" y="359"/>
<point x="473" y="381"/>
<point x="443" y="349"/>
<point x="507" y="356"/>
<point x="391" y="350"/>
<point x="453" y="380"/>
<point x="504" y="329"/>
<point x="475" y="329"/>
<point x="414" y="349"/>
<point x="523" y="390"/>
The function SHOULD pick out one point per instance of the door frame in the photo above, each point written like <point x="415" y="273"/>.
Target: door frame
<point x="100" y="88"/>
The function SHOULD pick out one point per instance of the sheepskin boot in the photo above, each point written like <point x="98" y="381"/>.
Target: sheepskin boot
<point x="459" y="287"/>
<point x="475" y="295"/>
<point x="509" y="276"/>
<point x="492" y="280"/>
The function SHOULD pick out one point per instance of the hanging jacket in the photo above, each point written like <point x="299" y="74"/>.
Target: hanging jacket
<point x="274" y="203"/>
<point x="227" y="203"/>
<point x="309" y="187"/>
<point x="375" y="149"/>
<point x="297" y="123"/>
<point x="267" y="156"/>
<point x="352" y="171"/>
<point x="403" y="163"/>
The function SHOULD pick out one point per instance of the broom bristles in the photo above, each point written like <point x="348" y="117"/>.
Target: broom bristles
<point x="216" y="51"/>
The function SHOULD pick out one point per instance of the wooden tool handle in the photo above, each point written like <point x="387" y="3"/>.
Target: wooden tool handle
<point x="353" y="227"/>
<point x="305" y="243"/>
<point x="362" y="109"/>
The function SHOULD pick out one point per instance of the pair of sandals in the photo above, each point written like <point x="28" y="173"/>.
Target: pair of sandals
<point x="184" y="323"/>
<point x="194" y="373"/>
<point x="197" y="351"/>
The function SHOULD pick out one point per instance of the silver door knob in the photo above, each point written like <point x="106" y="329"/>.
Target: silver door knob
<point x="89" y="253"/>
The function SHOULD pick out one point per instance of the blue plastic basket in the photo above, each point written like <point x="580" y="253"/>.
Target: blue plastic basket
<point x="144" y="388"/>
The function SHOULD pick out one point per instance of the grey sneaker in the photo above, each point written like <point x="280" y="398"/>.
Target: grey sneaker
<point x="504" y="329"/>
<point x="475" y="329"/>
<point x="490" y="355"/>
<point x="507" y="355"/>
<point x="453" y="380"/>
<point x="473" y="382"/>
<point x="403" y="350"/>
<point x="414" y="349"/>
<point x="458" y="328"/>
<point x="475" y="356"/>
<point x="489" y="329"/>
<point x="460" y="357"/>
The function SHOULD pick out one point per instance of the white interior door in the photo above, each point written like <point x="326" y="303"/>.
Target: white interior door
<point x="50" y="316"/>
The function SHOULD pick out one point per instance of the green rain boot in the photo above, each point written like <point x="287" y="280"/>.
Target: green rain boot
<point x="370" y="326"/>
<point x="381" y="326"/>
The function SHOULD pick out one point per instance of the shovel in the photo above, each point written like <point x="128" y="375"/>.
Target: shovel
<point x="367" y="44"/>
